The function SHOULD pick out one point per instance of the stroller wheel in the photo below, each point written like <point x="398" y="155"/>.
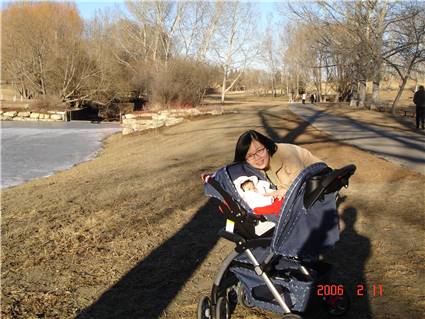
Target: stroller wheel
<point x="204" y="308"/>
<point x="336" y="305"/>
<point x="222" y="309"/>
<point x="232" y="298"/>
<point x="242" y="298"/>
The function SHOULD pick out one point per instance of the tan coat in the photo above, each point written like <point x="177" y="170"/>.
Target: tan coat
<point x="288" y="161"/>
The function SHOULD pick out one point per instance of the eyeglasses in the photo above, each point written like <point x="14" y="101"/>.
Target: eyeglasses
<point x="258" y="154"/>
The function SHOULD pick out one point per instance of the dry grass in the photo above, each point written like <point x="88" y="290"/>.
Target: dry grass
<point x="130" y="234"/>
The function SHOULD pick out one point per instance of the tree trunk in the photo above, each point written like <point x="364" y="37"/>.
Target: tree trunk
<point x="287" y="85"/>
<point x="362" y="93"/>
<point x="354" y="98"/>
<point x="375" y="94"/>
<point x="298" y="85"/>
<point x="400" y="91"/>
<point x="223" y="88"/>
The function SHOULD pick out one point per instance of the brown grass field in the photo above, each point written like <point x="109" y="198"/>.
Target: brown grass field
<point x="130" y="234"/>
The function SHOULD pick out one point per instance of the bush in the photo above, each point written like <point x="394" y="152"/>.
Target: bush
<point x="110" y="111"/>
<point x="180" y="83"/>
<point x="48" y="103"/>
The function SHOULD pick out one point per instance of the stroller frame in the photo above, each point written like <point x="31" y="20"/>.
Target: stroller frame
<point x="241" y="230"/>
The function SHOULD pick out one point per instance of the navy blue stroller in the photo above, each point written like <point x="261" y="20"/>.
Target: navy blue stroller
<point x="276" y="263"/>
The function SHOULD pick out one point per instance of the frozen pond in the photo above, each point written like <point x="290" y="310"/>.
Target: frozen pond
<point x="34" y="149"/>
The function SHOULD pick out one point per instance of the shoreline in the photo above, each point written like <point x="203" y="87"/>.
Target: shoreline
<point x="90" y="157"/>
<point x="93" y="150"/>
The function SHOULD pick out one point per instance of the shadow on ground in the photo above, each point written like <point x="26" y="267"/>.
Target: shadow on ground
<point x="151" y="286"/>
<point x="353" y="250"/>
<point x="147" y="289"/>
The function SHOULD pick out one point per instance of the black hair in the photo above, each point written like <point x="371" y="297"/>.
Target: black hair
<point x="245" y="183"/>
<point x="245" y="140"/>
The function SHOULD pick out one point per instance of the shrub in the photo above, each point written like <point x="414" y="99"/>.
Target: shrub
<point x="48" y="103"/>
<point x="180" y="83"/>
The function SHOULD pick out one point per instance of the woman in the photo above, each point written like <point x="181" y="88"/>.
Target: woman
<point x="281" y="163"/>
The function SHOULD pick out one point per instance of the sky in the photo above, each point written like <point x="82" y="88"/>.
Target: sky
<point x="88" y="8"/>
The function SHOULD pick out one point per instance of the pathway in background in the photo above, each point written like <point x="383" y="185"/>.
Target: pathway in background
<point x="372" y="133"/>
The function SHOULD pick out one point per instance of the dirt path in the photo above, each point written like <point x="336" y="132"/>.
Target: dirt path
<point x="130" y="234"/>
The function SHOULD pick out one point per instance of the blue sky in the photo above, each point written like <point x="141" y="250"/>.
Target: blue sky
<point x="88" y="8"/>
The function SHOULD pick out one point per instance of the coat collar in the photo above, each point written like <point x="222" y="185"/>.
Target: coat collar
<point x="276" y="163"/>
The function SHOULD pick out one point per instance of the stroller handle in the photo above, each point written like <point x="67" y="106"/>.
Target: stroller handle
<point x="326" y="182"/>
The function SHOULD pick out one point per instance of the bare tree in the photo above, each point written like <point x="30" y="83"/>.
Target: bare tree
<point x="233" y="48"/>
<point x="405" y="51"/>
<point x="44" y="52"/>
<point x="197" y="28"/>
<point x="270" y="55"/>
<point x="354" y="31"/>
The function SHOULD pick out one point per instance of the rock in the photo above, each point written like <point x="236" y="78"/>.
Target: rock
<point x="165" y="112"/>
<point x="146" y="115"/>
<point x="194" y="112"/>
<point x="129" y="121"/>
<point x="160" y="116"/>
<point x="24" y="114"/>
<point x="35" y="115"/>
<point x="157" y="123"/>
<point x="173" y="121"/>
<point x="10" y="114"/>
<point x="56" y="117"/>
<point x="215" y="112"/>
<point x="140" y="127"/>
<point x="127" y="130"/>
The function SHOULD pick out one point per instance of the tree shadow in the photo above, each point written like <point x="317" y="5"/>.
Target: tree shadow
<point x="293" y="134"/>
<point x="402" y="146"/>
<point x="147" y="289"/>
<point x="351" y="252"/>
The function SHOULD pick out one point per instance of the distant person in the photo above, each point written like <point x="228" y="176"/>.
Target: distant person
<point x="304" y="97"/>
<point x="292" y="99"/>
<point x="312" y="98"/>
<point x="419" y="100"/>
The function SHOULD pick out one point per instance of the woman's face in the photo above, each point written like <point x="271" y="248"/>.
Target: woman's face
<point x="258" y="156"/>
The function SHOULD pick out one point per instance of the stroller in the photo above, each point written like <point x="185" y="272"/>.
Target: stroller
<point x="276" y="264"/>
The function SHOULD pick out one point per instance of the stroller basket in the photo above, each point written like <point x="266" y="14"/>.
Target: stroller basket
<point x="295" y="292"/>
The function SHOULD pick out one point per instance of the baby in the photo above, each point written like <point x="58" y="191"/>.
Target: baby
<point x="254" y="192"/>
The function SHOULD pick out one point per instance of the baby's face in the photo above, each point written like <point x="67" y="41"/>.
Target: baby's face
<point x="248" y="186"/>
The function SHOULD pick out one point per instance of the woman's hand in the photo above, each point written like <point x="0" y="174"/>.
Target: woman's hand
<point x="279" y="194"/>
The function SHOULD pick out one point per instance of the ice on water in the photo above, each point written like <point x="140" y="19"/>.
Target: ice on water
<point x="35" y="149"/>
